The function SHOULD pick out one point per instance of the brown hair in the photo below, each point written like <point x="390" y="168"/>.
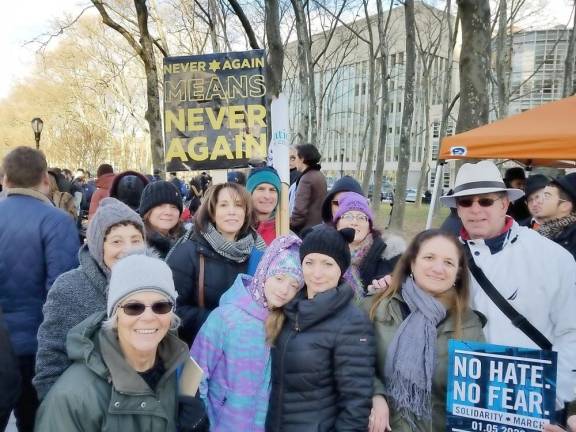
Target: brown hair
<point x="173" y="233"/>
<point x="273" y="325"/>
<point x="207" y="210"/>
<point x="25" y="167"/>
<point x="403" y="270"/>
<point x="125" y="223"/>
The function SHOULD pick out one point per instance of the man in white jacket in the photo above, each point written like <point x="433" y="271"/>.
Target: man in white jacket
<point x="534" y="274"/>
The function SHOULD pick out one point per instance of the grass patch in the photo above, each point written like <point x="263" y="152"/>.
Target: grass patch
<point x="414" y="218"/>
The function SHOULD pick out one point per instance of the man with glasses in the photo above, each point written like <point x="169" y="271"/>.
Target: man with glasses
<point x="535" y="276"/>
<point x="559" y="212"/>
<point x="534" y="200"/>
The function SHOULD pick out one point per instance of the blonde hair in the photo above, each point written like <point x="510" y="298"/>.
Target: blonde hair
<point x="273" y="325"/>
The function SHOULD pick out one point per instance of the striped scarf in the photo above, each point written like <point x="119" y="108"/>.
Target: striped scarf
<point x="237" y="251"/>
<point x="554" y="228"/>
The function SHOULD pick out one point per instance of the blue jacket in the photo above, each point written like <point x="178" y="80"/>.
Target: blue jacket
<point x="38" y="242"/>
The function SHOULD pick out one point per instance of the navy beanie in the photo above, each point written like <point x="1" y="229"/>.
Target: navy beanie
<point x="345" y="184"/>
<point x="158" y="193"/>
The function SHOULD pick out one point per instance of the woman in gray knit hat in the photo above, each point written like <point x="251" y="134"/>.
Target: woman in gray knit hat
<point x="125" y="359"/>
<point x="114" y="230"/>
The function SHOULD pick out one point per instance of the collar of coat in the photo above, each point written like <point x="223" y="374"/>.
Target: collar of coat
<point x="29" y="192"/>
<point x="172" y="351"/>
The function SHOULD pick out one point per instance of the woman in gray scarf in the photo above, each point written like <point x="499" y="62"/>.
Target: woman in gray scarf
<point x="426" y="306"/>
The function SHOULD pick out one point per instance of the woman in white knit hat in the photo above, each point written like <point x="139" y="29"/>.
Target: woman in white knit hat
<point x="125" y="359"/>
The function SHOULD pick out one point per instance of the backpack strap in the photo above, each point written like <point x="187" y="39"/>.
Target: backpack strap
<point x="201" y="301"/>
<point x="517" y="319"/>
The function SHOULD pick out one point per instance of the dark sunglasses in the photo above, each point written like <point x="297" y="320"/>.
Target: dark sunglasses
<point x="483" y="202"/>
<point x="159" y="308"/>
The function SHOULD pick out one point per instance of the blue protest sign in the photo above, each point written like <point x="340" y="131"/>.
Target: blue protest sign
<point x="494" y="388"/>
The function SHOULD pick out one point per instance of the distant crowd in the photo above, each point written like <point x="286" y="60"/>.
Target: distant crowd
<point x="110" y="287"/>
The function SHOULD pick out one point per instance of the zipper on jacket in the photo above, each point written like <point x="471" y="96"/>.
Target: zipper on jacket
<point x="281" y="386"/>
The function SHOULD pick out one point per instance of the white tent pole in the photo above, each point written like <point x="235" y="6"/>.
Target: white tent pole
<point x="435" y="191"/>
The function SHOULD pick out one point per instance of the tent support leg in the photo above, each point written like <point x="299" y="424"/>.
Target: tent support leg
<point x="435" y="191"/>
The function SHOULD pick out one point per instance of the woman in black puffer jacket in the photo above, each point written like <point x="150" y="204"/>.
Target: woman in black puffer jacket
<point x="324" y="355"/>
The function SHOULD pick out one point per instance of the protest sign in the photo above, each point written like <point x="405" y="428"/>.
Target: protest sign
<point x="494" y="388"/>
<point x="214" y="110"/>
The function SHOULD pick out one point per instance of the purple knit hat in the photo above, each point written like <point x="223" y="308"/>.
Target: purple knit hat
<point x="352" y="201"/>
<point x="281" y="257"/>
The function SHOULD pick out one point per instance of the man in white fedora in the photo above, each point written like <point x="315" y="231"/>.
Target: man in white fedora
<point x="534" y="275"/>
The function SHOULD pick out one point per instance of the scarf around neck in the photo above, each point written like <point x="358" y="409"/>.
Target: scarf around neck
<point x="352" y="275"/>
<point x="238" y="250"/>
<point x="411" y="355"/>
<point x="554" y="228"/>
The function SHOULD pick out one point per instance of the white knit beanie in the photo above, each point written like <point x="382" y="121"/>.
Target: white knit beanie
<point x="137" y="273"/>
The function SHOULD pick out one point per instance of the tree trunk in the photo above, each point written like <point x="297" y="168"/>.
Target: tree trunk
<point x="397" y="218"/>
<point x="381" y="152"/>
<point x="423" y="180"/>
<point x="474" y="64"/>
<point x="568" y="86"/>
<point x="303" y="75"/>
<point x="275" y="63"/>
<point x="503" y="60"/>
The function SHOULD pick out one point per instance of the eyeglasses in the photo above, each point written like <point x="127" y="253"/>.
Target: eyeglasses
<point x="548" y="196"/>
<point x="358" y="217"/>
<point x="483" y="202"/>
<point x="136" y="308"/>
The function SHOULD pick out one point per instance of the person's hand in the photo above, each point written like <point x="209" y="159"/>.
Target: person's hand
<point x="379" y="420"/>
<point x="571" y="423"/>
<point x="379" y="285"/>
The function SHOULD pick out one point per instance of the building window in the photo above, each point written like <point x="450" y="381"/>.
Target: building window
<point x="401" y="58"/>
<point x="435" y="129"/>
<point x="399" y="106"/>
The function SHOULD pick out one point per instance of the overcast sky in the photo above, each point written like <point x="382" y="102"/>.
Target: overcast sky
<point x="22" y="20"/>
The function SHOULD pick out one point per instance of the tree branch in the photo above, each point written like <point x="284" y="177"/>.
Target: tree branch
<point x="245" y="23"/>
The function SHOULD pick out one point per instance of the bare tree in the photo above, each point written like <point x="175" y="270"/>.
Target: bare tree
<point x="384" y="97"/>
<point x="145" y="50"/>
<point x="397" y="218"/>
<point x="568" y="86"/>
<point x="474" y="64"/>
<point x="275" y="64"/>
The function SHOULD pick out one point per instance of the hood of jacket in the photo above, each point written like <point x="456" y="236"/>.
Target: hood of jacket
<point x="100" y="351"/>
<point x="345" y="184"/>
<point x="105" y="181"/>
<point x="239" y="295"/>
<point x="90" y="267"/>
<point x="394" y="245"/>
<point x="305" y="313"/>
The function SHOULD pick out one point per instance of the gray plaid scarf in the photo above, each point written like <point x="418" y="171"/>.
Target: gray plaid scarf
<point x="237" y="251"/>
<point x="554" y="228"/>
<point x="411" y="356"/>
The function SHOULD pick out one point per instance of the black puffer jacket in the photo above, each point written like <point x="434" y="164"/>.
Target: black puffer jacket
<point x="322" y="366"/>
<point x="567" y="239"/>
<point x="219" y="274"/>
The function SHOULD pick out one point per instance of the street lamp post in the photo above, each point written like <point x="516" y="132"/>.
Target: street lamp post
<point x="37" y="125"/>
<point x="341" y="163"/>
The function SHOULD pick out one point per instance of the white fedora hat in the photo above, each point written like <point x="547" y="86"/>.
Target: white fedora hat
<point x="479" y="178"/>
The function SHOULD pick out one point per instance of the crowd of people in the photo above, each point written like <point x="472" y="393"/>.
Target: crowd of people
<point x="108" y="288"/>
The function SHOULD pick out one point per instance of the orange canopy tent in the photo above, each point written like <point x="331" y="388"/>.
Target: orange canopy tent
<point x="542" y="136"/>
<point x="545" y="135"/>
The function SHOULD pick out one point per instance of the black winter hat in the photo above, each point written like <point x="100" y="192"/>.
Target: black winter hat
<point x="326" y="240"/>
<point x="514" y="173"/>
<point x="345" y="184"/>
<point x="127" y="187"/>
<point x="534" y="183"/>
<point x="568" y="184"/>
<point x="157" y="193"/>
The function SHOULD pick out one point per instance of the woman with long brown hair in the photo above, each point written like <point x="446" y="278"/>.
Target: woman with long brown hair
<point x="426" y="305"/>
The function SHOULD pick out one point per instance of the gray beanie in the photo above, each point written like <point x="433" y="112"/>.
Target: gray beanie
<point x="110" y="212"/>
<point x="137" y="273"/>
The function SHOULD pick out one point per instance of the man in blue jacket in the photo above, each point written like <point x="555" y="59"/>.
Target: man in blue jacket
<point x="38" y="242"/>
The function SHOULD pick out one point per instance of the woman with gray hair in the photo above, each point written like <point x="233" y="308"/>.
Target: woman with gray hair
<point x="125" y="359"/>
